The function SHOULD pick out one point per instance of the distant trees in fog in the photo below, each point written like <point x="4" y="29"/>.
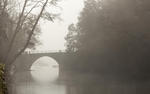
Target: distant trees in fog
<point x="113" y="36"/>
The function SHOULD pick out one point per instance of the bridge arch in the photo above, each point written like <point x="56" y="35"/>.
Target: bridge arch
<point x="43" y="59"/>
<point x="25" y="61"/>
<point x="45" y="69"/>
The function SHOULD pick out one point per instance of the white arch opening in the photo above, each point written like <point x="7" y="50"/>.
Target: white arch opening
<point x="45" y="69"/>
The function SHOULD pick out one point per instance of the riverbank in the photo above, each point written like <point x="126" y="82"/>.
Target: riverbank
<point x="3" y="88"/>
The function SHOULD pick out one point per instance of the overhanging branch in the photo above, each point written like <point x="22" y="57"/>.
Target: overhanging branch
<point x="30" y="35"/>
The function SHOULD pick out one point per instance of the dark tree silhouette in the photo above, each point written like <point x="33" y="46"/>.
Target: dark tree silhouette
<point x="114" y="37"/>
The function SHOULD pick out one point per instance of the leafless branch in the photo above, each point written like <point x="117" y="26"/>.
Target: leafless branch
<point x="30" y="35"/>
<point x="5" y="2"/>
<point x="16" y="31"/>
<point x="28" y="14"/>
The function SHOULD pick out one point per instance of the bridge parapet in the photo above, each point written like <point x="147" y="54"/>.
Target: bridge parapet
<point x="44" y="51"/>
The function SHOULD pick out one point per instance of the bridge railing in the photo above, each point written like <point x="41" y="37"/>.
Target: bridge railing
<point x="44" y="51"/>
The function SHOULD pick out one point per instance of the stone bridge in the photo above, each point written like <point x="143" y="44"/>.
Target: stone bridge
<point x="25" y="61"/>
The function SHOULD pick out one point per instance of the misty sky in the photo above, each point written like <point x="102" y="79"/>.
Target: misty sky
<point x="53" y="34"/>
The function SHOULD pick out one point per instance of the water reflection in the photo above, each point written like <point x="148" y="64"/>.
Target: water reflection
<point x="45" y="70"/>
<point x="33" y="88"/>
<point x="80" y="84"/>
<point x="43" y="79"/>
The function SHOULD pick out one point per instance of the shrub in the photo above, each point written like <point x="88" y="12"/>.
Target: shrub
<point x="2" y="80"/>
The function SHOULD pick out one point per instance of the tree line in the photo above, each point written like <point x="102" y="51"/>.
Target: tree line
<point x="112" y="37"/>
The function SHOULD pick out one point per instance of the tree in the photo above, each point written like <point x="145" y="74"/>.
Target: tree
<point x="114" y="34"/>
<point x="25" y="24"/>
<point x="71" y="39"/>
<point x="7" y="30"/>
<point x="19" y="29"/>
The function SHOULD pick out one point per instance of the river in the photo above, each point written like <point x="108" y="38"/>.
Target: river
<point x="44" y="78"/>
<point x="79" y="84"/>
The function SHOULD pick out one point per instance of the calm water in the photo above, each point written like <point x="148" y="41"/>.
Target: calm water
<point x="26" y="84"/>
<point x="45" y="79"/>
<point x="79" y="84"/>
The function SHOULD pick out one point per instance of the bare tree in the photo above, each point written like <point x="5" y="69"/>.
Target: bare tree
<point x="24" y="15"/>
<point x="20" y="23"/>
